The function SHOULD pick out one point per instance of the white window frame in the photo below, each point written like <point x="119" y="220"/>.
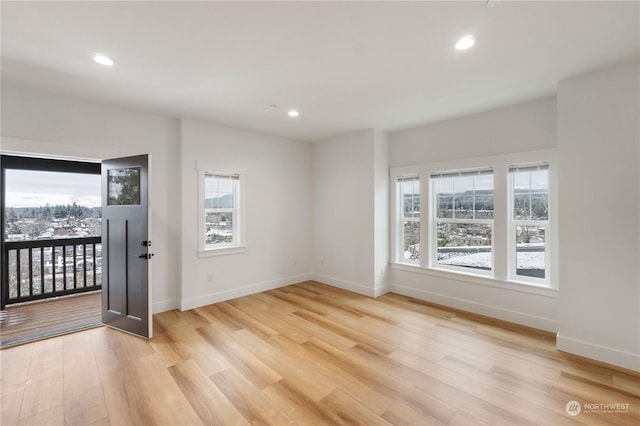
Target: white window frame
<point x="399" y="227"/>
<point x="503" y="257"/>
<point x="434" y="220"/>
<point x="513" y="223"/>
<point x="238" y="245"/>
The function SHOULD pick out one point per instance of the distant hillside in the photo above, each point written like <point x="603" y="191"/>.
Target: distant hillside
<point x="224" y="202"/>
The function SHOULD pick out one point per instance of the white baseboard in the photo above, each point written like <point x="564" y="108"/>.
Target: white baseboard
<point x="381" y="290"/>
<point x="528" y="320"/>
<point x="345" y="285"/>
<point x="222" y="296"/>
<point x="605" y="354"/>
<point x="164" y="305"/>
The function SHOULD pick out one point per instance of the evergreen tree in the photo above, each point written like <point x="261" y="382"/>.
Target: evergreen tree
<point x="12" y="222"/>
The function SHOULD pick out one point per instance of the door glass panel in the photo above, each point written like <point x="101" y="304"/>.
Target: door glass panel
<point x="123" y="186"/>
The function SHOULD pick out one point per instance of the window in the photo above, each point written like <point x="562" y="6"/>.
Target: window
<point x="409" y="190"/>
<point x="529" y="186"/>
<point x="490" y="218"/>
<point x="220" y="202"/>
<point x="463" y="219"/>
<point x="221" y="211"/>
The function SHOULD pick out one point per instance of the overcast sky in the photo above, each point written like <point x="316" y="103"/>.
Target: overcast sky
<point x="27" y="188"/>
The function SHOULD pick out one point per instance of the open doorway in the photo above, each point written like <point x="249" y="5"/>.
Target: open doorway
<point x="51" y="247"/>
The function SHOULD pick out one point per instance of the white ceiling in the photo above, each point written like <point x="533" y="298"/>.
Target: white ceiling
<point x="344" y="65"/>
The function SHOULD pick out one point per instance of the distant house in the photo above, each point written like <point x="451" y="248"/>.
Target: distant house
<point x="63" y="232"/>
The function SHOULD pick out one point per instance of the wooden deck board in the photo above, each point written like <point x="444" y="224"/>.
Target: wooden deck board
<point x="35" y="320"/>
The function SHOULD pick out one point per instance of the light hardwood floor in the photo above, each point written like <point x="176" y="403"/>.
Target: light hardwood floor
<point x="310" y="354"/>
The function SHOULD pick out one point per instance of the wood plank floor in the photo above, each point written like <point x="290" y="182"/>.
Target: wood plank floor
<point x="45" y="318"/>
<point x="310" y="354"/>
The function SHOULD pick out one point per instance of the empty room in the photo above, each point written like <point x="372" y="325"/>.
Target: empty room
<point x="308" y="213"/>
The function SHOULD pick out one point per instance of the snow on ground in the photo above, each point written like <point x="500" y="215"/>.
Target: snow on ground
<point x="530" y="260"/>
<point x="472" y="260"/>
<point x="525" y="260"/>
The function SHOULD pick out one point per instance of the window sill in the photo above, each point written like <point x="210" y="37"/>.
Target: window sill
<point x="523" y="287"/>
<point x="222" y="251"/>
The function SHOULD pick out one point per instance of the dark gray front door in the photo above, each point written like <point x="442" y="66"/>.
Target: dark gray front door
<point x="125" y="245"/>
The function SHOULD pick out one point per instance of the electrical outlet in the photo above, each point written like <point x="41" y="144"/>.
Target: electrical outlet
<point x="210" y="278"/>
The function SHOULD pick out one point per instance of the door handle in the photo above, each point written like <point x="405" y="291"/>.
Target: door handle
<point x="146" y="256"/>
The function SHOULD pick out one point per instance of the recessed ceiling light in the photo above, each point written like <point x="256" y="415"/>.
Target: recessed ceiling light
<point x="102" y="59"/>
<point x="293" y="113"/>
<point x="465" y="42"/>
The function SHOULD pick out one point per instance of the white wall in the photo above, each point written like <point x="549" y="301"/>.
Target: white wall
<point x="528" y="126"/>
<point x="277" y="210"/>
<point x="39" y="123"/>
<point x="343" y="211"/>
<point x="521" y="128"/>
<point x="598" y="148"/>
<point x="381" y="213"/>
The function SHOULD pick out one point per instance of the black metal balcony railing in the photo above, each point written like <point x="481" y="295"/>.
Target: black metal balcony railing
<point x="41" y="269"/>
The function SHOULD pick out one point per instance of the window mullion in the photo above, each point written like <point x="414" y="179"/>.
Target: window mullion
<point x="501" y="219"/>
<point x="425" y="215"/>
<point x="530" y="222"/>
<point x="452" y="220"/>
